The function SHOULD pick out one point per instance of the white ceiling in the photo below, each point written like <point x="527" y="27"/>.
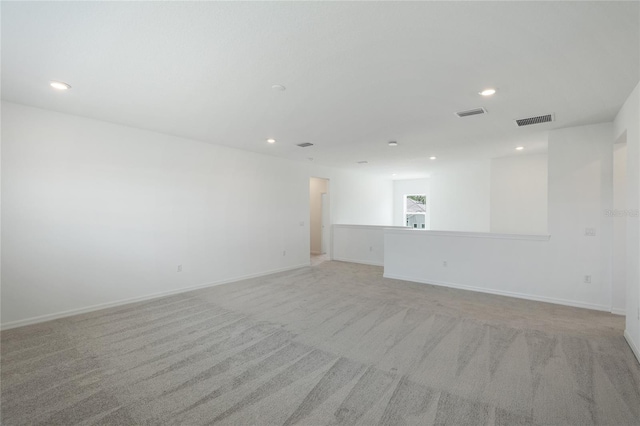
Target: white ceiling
<point x="357" y="74"/>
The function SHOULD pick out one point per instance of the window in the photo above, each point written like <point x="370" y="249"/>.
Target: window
<point x="415" y="211"/>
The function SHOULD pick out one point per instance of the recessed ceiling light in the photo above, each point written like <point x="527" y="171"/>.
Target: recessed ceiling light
<point x="393" y="143"/>
<point x="393" y="174"/>
<point x="271" y="140"/>
<point x="520" y="148"/>
<point x="278" y="87"/>
<point x="432" y="158"/>
<point x="59" y="85"/>
<point x="488" y="92"/>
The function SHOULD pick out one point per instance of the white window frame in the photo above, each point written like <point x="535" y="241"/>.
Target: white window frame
<point x="427" y="224"/>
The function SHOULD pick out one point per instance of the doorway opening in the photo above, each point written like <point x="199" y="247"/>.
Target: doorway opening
<point x="319" y="221"/>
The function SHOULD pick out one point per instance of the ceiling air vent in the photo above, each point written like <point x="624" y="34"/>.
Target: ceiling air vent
<point x="534" y="120"/>
<point x="305" y="144"/>
<point x="470" y="112"/>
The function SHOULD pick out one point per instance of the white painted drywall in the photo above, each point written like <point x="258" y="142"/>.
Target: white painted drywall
<point x="460" y="197"/>
<point x="519" y="194"/>
<point x="628" y="120"/>
<point x="358" y="198"/>
<point x="619" y="217"/>
<point x="358" y="244"/>
<point x="317" y="186"/>
<point x="504" y="264"/>
<point x="580" y="190"/>
<point x="95" y="213"/>
<point x="408" y="187"/>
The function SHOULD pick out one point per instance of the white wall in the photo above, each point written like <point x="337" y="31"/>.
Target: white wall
<point x="580" y="191"/>
<point x="619" y="218"/>
<point x="628" y="120"/>
<point x="96" y="213"/>
<point x="460" y="197"/>
<point x="514" y="265"/>
<point x="503" y="264"/>
<point x="407" y="187"/>
<point x="359" y="243"/>
<point x="519" y="194"/>
<point x="356" y="198"/>
<point x="317" y="187"/>
<point x="580" y="180"/>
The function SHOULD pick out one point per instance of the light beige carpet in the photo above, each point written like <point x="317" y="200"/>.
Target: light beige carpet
<point x="324" y="345"/>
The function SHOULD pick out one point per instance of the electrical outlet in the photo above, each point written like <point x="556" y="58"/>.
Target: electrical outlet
<point x="370" y="248"/>
<point x="179" y="268"/>
<point x="590" y="232"/>
<point x="445" y="263"/>
<point x="587" y="279"/>
<point x="284" y="252"/>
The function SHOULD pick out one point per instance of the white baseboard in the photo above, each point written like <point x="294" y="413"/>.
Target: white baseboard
<point x="71" y="312"/>
<point x="632" y="345"/>
<point x="617" y="311"/>
<point x="364" y="262"/>
<point x="535" y="298"/>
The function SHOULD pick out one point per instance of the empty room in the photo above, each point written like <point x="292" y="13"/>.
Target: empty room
<point x="320" y="213"/>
